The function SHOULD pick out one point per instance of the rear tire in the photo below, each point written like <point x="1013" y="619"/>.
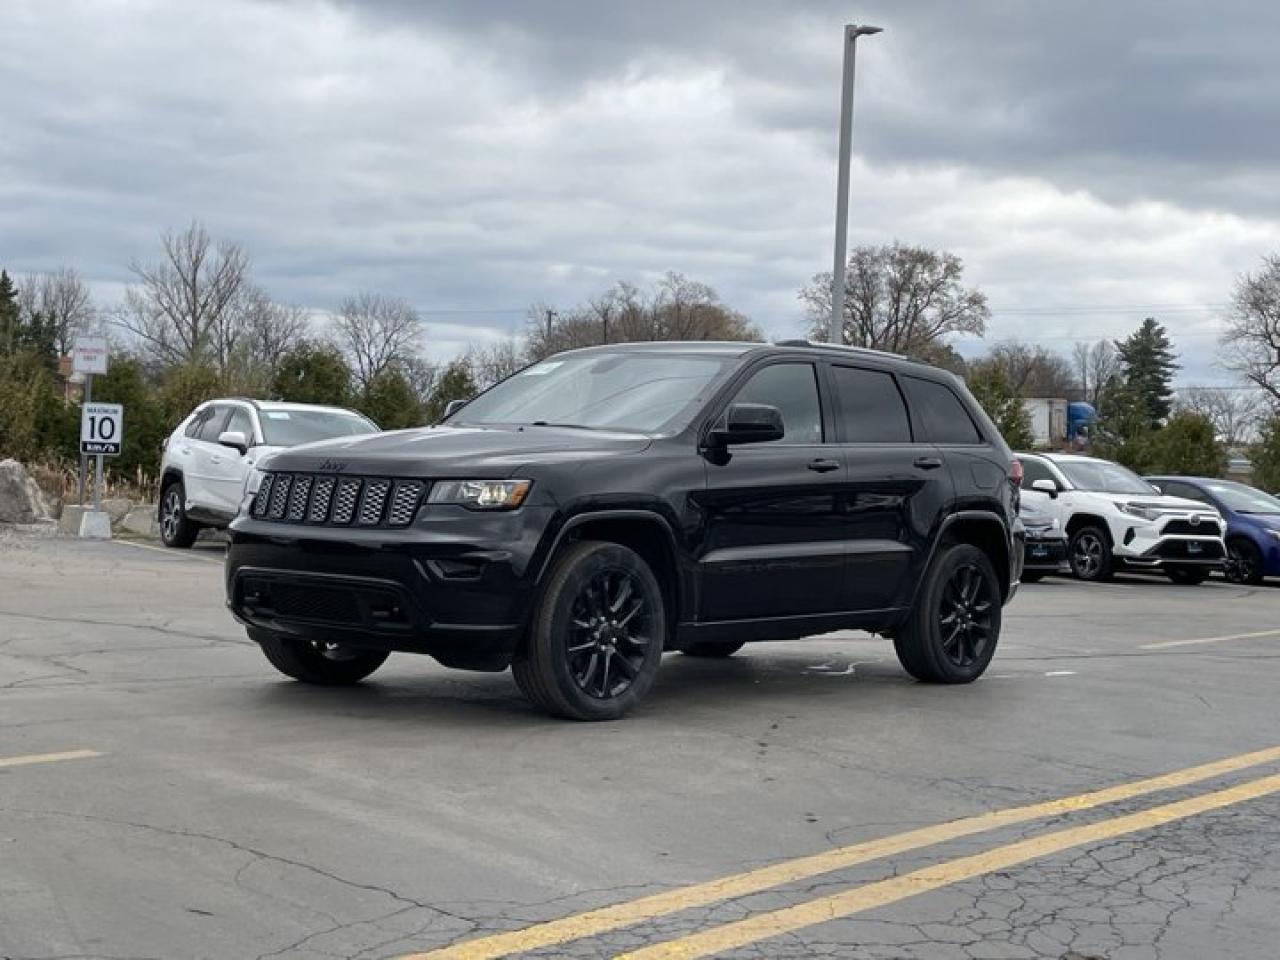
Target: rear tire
<point x="303" y="661"/>
<point x="1090" y="555"/>
<point x="597" y="636"/>
<point x="713" y="650"/>
<point x="1187" y="576"/>
<point x="952" y="631"/>
<point x="1244" y="562"/>
<point x="175" y="529"/>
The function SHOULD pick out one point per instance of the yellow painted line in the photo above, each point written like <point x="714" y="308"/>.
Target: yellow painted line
<point x="839" y="905"/>
<point x="176" y="554"/>
<point x="1167" y="644"/>
<point x="595" y="922"/>
<point x="48" y="758"/>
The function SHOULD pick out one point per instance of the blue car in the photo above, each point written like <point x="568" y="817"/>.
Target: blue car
<point x="1253" y="523"/>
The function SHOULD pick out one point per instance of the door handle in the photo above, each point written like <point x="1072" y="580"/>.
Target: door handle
<point x="927" y="463"/>
<point x="215" y="459"/>
<point x="823" y="466"/>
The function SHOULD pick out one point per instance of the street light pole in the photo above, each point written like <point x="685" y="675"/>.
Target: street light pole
<point x="851" y="34"/>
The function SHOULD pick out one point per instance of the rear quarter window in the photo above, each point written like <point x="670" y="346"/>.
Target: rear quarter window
<point x="940" y="415"/>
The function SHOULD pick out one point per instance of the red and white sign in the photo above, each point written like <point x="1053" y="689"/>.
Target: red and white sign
<point x="89" y="355"/>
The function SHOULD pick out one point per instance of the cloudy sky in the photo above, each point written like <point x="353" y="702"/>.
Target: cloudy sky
<point x="1090" y="162"/>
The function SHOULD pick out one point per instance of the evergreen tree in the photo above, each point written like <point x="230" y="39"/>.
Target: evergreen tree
<point x="991" y="388"/>
<point x="1123" y="430"/>
<point x="1149" y="363"/>
<point x="1265" y="457"/>
<point x="1186" y="445"/>
<point x="313" y="373"/>
<point x="456" y="383"/>
<point x="390" y="402"/>
<point x="10" y="315"/>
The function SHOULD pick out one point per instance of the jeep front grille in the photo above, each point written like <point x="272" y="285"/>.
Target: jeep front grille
<point x="326" y="500"/>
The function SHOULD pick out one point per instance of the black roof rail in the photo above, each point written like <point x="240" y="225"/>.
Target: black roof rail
<point x="840" y="346"/>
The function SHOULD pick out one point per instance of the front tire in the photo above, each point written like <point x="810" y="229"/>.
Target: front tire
<point x="1244" y="562"/>
<point x="322" y="665"/>
<point x="952" y="631"/>
<point x="1187" y="576"/>
<point x="597" y="636"/>
<point x="176" y="530"/>
<point x="1090" y="555"/>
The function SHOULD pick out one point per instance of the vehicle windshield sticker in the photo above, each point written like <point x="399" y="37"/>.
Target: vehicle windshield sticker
<point x="277" y="415"/>
<point x="542" y="368"/>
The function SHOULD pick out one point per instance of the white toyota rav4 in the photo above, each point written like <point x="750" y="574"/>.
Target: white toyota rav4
<point x="1113" y="518"/>
<point x="209" y="457"/>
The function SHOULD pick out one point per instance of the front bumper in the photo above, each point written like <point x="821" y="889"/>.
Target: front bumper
<point x="1171" y="539"/>
<point x="1044" y="554"/>
<point x="463" y="602"/>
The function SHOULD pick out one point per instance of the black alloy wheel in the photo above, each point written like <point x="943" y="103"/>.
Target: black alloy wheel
<point x="1244" y="562"/>
<point x="1090" y="555"/>
<point x="597" y="637"/>
<point x="952" y="631"/>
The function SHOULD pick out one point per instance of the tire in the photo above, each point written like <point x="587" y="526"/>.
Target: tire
<point x="1244" y="562"/>
<point x="175" y="529"/>
<point x="951" y="633"/>
<point x="308" y="663"/>
<point x="1187" y="576"/>
<point x="716" y="650"/>
<point x="1034" y="576"/>
<point x="1089" y="554"/>
<point x="572" y="662"/>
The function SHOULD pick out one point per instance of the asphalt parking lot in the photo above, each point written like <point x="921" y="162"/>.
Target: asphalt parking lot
<point x="164" y="793"/>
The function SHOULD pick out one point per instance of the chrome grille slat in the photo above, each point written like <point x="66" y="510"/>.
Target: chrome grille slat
<point x="298" y="498"/>
<point x="279" y="496"/>
<point x="404" y="502"/>
<point x="321" y="497"/>
<point x="373" y="501"/>
<point x="344" y="504"/>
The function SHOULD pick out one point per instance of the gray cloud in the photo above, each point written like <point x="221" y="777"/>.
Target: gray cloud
<point x="484" y="156"/>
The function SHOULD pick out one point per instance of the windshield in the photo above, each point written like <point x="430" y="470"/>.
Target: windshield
<point x="1242" y="499"/>
<point x="1102" y="476"/>
<point x="635" y="392"/>
<point x="289" y="428"/>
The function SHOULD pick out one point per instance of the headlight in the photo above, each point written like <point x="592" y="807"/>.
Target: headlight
<point x="1134" y="510"/>
<point x="481" y="494"/>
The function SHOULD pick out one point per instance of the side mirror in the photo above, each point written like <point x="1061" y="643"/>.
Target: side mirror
<point x="749" y="423"/>
<point x="1156" y="487"/>
<point x="1046" y="486"/>
<point x="235" y="440"/>
<point x="452" y="407"/>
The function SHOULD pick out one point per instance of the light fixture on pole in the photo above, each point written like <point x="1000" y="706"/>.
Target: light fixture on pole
<point x="851" y="34"/>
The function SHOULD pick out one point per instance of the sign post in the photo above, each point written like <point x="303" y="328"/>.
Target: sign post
<point x="88" y="357"/>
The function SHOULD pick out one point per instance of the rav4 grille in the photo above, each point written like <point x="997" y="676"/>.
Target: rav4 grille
<point x="326" y="500"/>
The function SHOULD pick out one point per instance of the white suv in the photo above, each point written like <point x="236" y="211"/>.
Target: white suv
<point x="209" y="458"/>
<point x="1113" y="518"/>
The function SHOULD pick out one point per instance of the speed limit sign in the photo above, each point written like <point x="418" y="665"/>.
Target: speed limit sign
<point x="102" y="429"/>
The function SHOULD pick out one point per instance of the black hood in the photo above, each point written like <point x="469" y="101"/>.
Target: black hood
<point x="443" y="451"/>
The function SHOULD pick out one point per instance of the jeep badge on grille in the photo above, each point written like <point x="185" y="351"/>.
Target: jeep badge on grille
<point x="332" y="466"/>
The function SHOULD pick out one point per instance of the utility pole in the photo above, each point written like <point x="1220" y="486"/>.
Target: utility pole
<point x="551" y="315"/>
<point x="851" y="34"/>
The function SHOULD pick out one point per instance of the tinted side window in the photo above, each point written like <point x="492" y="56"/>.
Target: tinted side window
<point x="871" y="407"/>
<point x="196" y="422"/>
<point x="1185" y="490"/>
<point x="793" y="389"/>
<point x="212" y="425"/>
<point x="1033" y="470"/>
<point x="940" y="413"/>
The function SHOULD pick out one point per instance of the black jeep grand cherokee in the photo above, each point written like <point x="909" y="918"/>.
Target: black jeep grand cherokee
<point x="605" y="505"/>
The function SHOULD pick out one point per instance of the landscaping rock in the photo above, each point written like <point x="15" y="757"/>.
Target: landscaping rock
<point x="20" y="498"/>
<point x="117" y="509"/>
<point x="140" y="522"/>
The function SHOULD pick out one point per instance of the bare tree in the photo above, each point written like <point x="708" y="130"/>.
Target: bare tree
<point x="61" y="299"/>
<point x="1251" y="345"/>
<point x="1033" y="371"/>
<point x="377" y="332"/>
<point x="1097" y="365"/>
<point x="186" y="308"/>
<point x="266" y="331"/>
<point x="899" y="298"/>
<point x="675" y="308"/>
<point x="495" y="361"/>
<point x="1235" y="414"/>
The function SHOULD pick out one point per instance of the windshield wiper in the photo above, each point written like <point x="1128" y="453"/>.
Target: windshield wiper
<point x="569" y="426"/>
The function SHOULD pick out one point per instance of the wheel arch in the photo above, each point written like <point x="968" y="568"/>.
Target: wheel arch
<point x="646" y="532"/>
<point x="1081" y="520"/>
<point x="982" y="529"/>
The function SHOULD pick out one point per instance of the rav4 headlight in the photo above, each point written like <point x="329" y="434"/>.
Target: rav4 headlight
<point x="481" y="494"/>
<point x="1135" y="510"/>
